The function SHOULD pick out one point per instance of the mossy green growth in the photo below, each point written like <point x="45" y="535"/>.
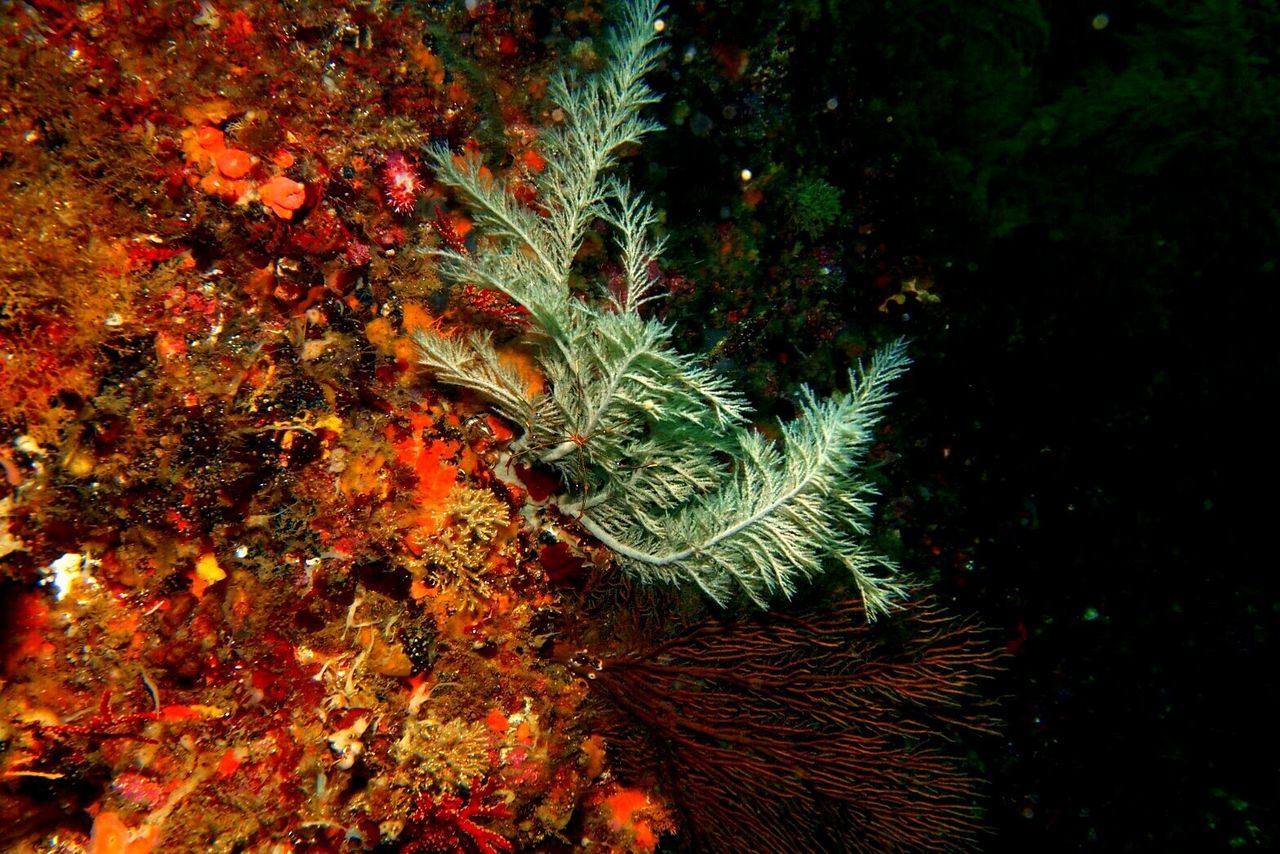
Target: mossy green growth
<point x="814" y="205"/>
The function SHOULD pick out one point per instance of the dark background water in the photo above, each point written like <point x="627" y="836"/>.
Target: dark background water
<point x="1091" y="192"/>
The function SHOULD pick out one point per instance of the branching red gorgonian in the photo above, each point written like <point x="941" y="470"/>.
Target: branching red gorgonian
<point x="810" y="731"/>
<point x="445" y="823"/>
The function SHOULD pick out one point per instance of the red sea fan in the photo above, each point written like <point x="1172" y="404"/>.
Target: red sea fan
<point x="812" y="731"/>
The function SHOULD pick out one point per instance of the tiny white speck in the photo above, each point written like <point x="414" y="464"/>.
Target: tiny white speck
<point x="72" y="567"/>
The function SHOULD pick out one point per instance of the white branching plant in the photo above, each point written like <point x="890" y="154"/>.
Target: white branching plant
<point x="660" y="462"/>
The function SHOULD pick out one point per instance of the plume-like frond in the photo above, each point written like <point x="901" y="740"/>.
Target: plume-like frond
<point x="781" y="517"/>
<point x="601" y="114"/>
<point x="654" y="445"/>
<point x="472" y="362"/>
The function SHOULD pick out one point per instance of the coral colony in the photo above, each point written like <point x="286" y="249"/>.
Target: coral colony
<point x="340" y="511"/>
<point x="630" y="423"/>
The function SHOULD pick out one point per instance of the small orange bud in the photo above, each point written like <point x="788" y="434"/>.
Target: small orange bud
<point x="496" y="721"/>
<point x="211" y="139"/>
<point x="533" y="160"/>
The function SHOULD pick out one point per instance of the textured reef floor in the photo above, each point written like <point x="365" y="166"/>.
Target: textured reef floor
<point x="262" y="589"/>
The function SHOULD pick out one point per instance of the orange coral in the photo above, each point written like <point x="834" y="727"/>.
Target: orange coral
<point x="533" y="160"/>
<point x="111" y="836"/>
<point x="210" y="138"/>
<point x="217" y="184"/>
<point x="632" y="814"/>
<point x="283" y="196"/>
<point x="234" y="163"/>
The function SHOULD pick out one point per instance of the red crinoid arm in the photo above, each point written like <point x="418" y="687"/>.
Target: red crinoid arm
<point x="449" y="235"/>
<point x="495" y="305"/>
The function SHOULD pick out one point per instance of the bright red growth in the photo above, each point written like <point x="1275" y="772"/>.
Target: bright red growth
<point x="443" y="823"/>
<point x="449" y="234"/>
<point x="494" y="306"/>
<point x="533" y="160"/>
<point x="400" y="182"/>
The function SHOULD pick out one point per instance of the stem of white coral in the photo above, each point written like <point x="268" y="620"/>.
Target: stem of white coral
<point x="724" y="534"/>
<point x="619" y="547"/>
<point x="620" y="373"/>
<point x="559" y="452"/>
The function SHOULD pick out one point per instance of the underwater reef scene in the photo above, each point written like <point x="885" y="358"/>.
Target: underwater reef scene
<point x="610" y="426"/>
<point x="357" y="498"/>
